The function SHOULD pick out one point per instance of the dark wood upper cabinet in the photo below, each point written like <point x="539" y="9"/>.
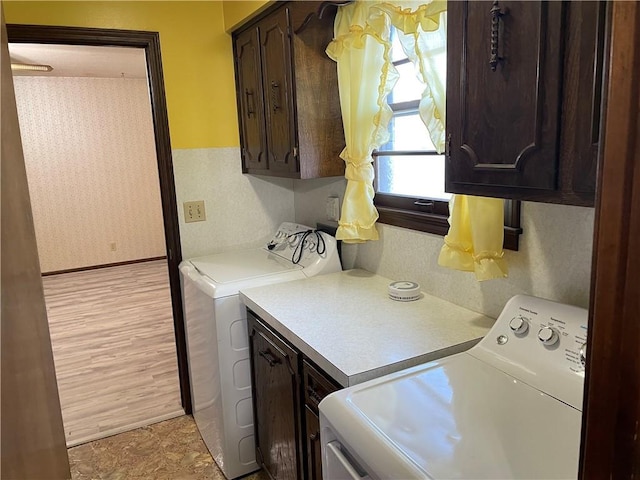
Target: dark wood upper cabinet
<point x="250" y="104"/>
<point x="285" y="78"/>
<point x="584" y="79"/>
<point x="523" y="99"/>
<point x="275" y="45"/>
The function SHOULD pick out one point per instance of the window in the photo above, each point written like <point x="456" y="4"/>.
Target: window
<point x="409" y="172"/>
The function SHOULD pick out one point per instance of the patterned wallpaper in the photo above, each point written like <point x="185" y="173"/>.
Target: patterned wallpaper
<point x="243" y="211"/>
<point x="91" y="165"/>
<point x="554" y="261"/>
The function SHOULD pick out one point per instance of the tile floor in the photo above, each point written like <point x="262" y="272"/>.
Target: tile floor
<point x="169" y="450"/>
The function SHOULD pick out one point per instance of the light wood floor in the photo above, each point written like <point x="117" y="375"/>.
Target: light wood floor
<point x="114" y="348"/>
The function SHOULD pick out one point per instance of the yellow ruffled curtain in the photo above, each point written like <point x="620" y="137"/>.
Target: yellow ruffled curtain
<point x="475" y="238"/>
<point x="361" y="48"/>
<point x="422" y="31"/>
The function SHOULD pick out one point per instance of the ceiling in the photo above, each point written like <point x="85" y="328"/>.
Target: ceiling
<point x="81" y="60"/>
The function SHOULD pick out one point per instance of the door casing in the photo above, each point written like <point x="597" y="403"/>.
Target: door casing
<point x="150" y="41"/>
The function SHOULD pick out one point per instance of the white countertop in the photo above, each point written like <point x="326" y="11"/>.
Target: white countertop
<point x="346" y="323"/>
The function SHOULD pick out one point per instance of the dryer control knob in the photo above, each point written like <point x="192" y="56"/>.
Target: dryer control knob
<point x="583" y="354"/>
<point x="519" y="325"/>
<point x="548" y="336"/>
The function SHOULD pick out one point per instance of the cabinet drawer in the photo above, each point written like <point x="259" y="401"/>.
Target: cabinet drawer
<point x="317" y="385"/>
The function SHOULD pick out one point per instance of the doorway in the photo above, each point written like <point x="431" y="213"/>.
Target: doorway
<point x="150" y="42"/>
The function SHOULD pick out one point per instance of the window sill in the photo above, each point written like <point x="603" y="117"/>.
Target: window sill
<point x="439" y="225"/>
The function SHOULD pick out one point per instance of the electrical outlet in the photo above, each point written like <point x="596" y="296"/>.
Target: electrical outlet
<point x="333" y="209"/>
<point x="194" y="211"/>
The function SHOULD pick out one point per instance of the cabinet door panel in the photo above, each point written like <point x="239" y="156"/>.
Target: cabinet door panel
<point x="317" y="385"/>
<point x="588" y="25"/>
<point x="503" y="124"/>
<point x="314" y="447"/>
<point x="250" y="101"/>
<point x="276" y="403"/>
<point x="275" y="45"/>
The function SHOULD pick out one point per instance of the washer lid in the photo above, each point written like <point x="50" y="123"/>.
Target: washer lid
<point x="242" y="265"/>
<point x="457" y="418"/>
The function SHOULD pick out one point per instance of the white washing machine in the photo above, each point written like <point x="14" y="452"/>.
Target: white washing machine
<point x="508" y="408"/>
<point x="216" y="330"/>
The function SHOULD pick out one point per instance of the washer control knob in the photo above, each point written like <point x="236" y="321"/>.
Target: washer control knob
<point x="519" y="325"/>
<point x="311" y="244"/>
<point x="548" y="336"/>
<point x="583" y="354"/>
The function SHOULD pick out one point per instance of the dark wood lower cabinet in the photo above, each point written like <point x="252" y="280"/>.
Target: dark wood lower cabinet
<point x="276" y="403"/>
<point x="314" y="447"/>
<point x="287" y="390"/>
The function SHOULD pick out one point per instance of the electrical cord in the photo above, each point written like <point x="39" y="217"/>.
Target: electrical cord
<point x="297" y="253"/>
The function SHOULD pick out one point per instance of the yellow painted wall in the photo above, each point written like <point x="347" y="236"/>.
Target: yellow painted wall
<point x="235" y="11"/>
<point x="196" y="56"/>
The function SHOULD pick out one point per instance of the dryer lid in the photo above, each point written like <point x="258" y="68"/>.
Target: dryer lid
<point x="242" y="265"/>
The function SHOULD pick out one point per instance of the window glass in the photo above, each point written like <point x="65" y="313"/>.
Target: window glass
<point x="408" y="132"/>
<point x="412" y="168"/>
<point x="409" y="86"/>
<point x="412" y="175"/>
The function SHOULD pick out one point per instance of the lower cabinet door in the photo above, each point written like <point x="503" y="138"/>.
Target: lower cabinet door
<point x="314" y="450"/>
<point x="276" y="404"/>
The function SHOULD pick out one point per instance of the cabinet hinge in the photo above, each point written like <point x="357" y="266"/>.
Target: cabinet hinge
<point x="295" y="152"/>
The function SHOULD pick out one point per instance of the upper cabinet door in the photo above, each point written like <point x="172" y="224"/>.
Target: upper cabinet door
<point x="504" y="82"/>
<point x="584" y="67"/>
<point x="275" y="44"/>
<point x="250" y="101"/>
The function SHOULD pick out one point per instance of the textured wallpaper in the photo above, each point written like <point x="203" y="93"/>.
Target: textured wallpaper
<point x="243" y="211"/>
<point x="554" y="261"/>
<point x="91" y="165"/>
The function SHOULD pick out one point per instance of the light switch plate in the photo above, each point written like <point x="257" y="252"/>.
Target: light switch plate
<point x="194" y="211"/>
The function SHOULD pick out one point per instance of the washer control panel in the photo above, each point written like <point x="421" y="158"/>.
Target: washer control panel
<point x="541" y="343"/>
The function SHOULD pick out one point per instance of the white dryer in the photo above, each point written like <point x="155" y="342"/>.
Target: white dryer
<point x="508" y="408"/>
<point x="216" y="330"/>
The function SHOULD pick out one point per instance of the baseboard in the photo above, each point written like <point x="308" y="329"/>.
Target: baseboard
<point x="106" y="265"/>
<point x="125" y="428"/>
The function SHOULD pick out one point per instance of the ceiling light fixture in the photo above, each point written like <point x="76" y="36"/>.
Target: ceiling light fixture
<point x="30" y="67"/>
